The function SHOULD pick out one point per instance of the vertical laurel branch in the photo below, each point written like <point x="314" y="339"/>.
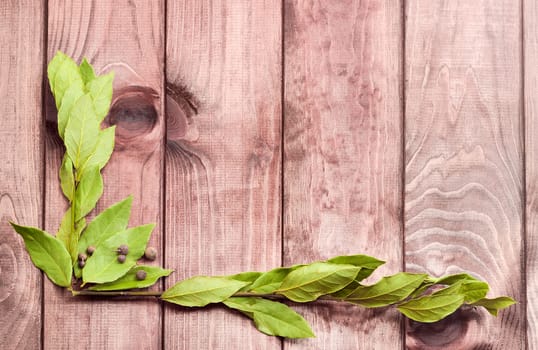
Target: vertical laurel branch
<point x="105" y="257"/>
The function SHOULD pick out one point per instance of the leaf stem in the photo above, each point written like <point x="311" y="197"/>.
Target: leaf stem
<point x="157" y="294"/>
<point x="95" y="293"/>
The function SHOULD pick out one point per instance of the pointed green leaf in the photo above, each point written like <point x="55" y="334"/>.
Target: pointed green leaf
<point x="472" y="290"/>
<point x="494" y="305"/>
<point x="103" y="265"/>
<point x="387" y="291"/>
<point x="270" y="281"/>
<point x="64" y="232"/>
<point x="81" y="132"/>
<point x="67" y="179"/>
<point x="129" y="280"/>
<point x="367" y="264"/>
<point x="63" y="73"/>
<point x="201" y="290"/>
<point x="88" y="192"/>
<point x="86" y="71"/>
<point x="347" y="290"/>
<point x="71" y="96"/>
<point x="365" y="261"/>
<point x="431" y="308"/>
<point x="451" y="279"/>
<point x="249" y="277"/>
<point x="271" y="317"/>
<point x="309" y="282"/>
<point x="103" y="150"/>
<point x="47" y="253"/>
<point x="100" y="90"/>
<point x="109" y="222"/>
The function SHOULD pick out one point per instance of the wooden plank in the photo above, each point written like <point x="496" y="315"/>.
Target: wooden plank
<point x="464" y="160"/>
<point x="21" y="69"/>
<point x="342" y="153"/>
<point x="127" y="37"/>
<point x="223" y="163"/>
<point x="530" y="34"/>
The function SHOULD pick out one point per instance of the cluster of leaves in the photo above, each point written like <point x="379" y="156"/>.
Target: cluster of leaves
<point x="337" y="279"/>
<point x="83" y="100"/>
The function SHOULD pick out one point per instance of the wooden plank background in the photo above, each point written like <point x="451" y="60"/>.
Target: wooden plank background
<point x="273" y="132"/>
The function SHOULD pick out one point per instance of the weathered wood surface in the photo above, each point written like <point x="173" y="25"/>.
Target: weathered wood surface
<point x="530" y="62"/>
<point x="464" y="160"/>
<point x="223" y="157"/>
<point x="342" y="153"/>
<point x="126" y="37"/>
<point x="21" y="192"/>
<point x="463" y="154"/>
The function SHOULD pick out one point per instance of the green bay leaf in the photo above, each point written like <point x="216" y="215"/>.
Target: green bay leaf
<point x="47" y="253"/>
<point x="309" y="282"/>
<point x="431" y="308"/>
<point x="494" y="305"/>
<point x="387" y="291"/>
<point x="472" y="290"/>
<point x="202" y="290"/>
<point x="63" y="73"/>
<point x="249" y="276"/>
<point x="71" y="96"/>
<point x="88" y="192"/>
<point x="64" y="232"/>
<point x="100" y="90"/>
<point x="103" y="265"/>
<point x="86" y="71"/>
<point x="81" y="132"/>
<point x="270" y="281"/>
<point x="368" y="264"/>
<point x="110" y="221"/>
<point x="103" y="150"/>
<point x="67" y="179"/>
<point x="451" y="279"/>
<point x="271" y="317"/>
<point x="129" y="280"/>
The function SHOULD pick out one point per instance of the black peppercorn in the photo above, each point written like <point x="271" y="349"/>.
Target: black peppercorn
<point x="123" y="249"/>
<point x="141" y="275"/>
<point x="150" y="253"/>
<point x="90" y="250"/>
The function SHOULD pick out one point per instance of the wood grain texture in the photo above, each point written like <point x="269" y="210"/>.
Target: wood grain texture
<point x="530" y="34"/>
<point x="126" y="37"/>
<point x="464" y="160"/>
<point x="21" y="66"/>
<point x="342" y="153"/>
<point x="223" y="163"/>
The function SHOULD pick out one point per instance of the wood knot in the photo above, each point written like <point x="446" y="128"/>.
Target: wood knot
<point x="450" y="331"/>
<point x="133" y="111"/>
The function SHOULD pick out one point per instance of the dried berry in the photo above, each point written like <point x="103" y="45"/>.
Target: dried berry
<point x="141" y="275"/>
<point x="121" y="258"/>
<point x="123" y="249"/>
<point x="150" y="253"/>
<point x="82" y="257"/>
<point x="81" y="263"/>
<point x="90" y="250"/>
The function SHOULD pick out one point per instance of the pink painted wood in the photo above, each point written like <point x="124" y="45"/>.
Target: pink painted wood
<point x="127" y="38"/>
<point x="223" y="157"/>
<point x="284" y="128"/>
<point x="342" y="154"/>
<point x="464" y="161"/>
<point x="21" y="169"/>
